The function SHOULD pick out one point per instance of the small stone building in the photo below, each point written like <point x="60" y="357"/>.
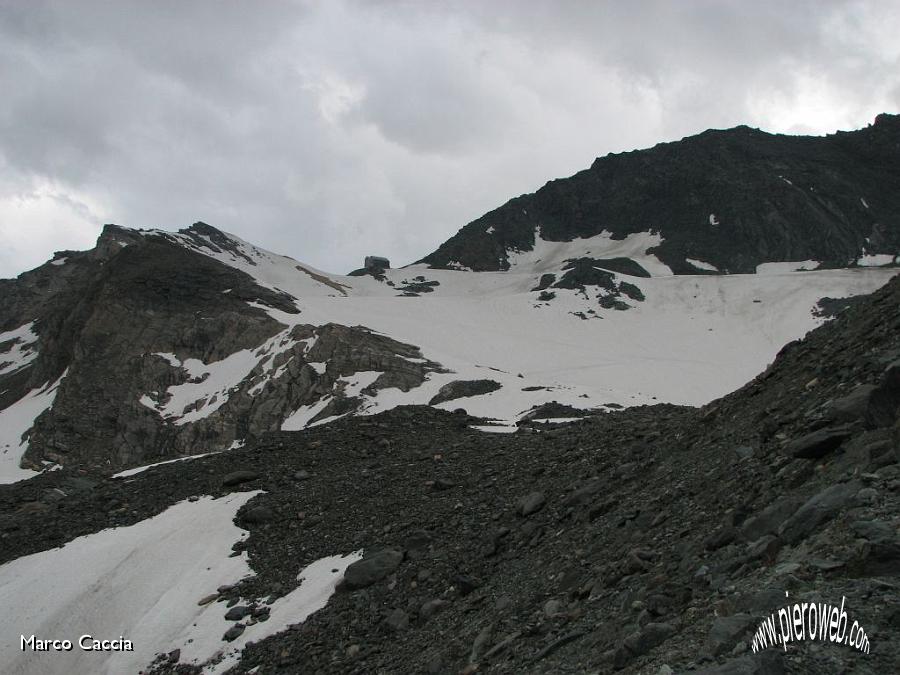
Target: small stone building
<point x="376" y="262"/>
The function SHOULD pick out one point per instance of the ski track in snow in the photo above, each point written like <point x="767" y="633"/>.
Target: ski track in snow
<point x="143" y="582"/>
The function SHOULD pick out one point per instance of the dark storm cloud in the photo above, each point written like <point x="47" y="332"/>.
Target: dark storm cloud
<point x="330" y="130"/>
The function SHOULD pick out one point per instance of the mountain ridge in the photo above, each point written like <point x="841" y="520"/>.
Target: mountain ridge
<point x="735" y="198"/>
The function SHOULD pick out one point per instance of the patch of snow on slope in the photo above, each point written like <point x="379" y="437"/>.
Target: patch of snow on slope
<point x="23" y="349"/>
<point x="302" y="416"/>
<point x="140" y="469"/>
<point x="15" y="421"/>
<point x="317" y="584"/>
<point x="693" y="339"/>
<point x="355" y="383"/>
<point x="549" y="256"/>
<point x="700" y="265"/>
<point x="786" y="267"/>
<point x="207" y="389"/>
<point x="141" y="582"/>
<point x="876" y="259"/>
<point x="352" y="387"/>
<point x="318" y="366"/>
<point x="211" y="384"/>
<point x="270" y="270"/>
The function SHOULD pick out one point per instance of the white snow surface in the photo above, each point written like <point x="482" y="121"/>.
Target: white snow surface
<point x="693" y="339"/>
<point x="143" y="582"/>
<point x="876" y="259"/>
<point x="15" y="421"/>
<point x="23" y="350"/>
<point x="549" y="256"/>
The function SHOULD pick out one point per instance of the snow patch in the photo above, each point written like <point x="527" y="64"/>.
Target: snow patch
<point x="15" y="421"/>
<point x="211" y="384"/>
<point x="550" y="256"/>
<point x="786" y="267"/>
<point x="318" y="366"/>
<point x="301" y="417"/>
<point x="876" y="259"/>
<point x="354" y="384"/>
<point x="496" y="428"/>
<point x="700" y="265"/>
<point x="203" y="640"/>
<point x="23" y="349"/>
<point x="269" y="270"/>
<point x="140" y="469"/>
<point x="141" y="582"/>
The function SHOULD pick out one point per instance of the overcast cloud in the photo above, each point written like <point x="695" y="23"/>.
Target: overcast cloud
<point x="331" y="130"/>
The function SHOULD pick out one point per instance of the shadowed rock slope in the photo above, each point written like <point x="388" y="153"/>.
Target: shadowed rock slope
<point x="734" y="198"/>
<point x="639" y="541"/>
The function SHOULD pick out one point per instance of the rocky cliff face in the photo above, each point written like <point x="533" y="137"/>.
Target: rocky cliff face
<point x="167" y="352"/>
<point x="735" y="199"/>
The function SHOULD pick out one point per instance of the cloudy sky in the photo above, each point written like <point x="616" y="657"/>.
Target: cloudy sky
<point x="340" y="128"/>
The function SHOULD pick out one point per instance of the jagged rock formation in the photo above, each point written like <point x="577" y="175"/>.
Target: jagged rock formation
<point x="735" y="199"/>
<point x="140" y="320"/>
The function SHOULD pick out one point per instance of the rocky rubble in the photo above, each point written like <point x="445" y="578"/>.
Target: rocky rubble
<point x="648" y="540"/>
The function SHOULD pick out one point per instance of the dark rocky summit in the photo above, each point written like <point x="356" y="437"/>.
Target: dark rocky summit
<point x="649" y="540"/>
<point x="734" y="198"/>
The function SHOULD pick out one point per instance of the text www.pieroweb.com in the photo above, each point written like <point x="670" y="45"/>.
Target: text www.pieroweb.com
<point x="810" y="621"/>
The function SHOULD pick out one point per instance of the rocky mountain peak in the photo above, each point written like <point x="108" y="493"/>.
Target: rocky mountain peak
<point x="734" y="198"/>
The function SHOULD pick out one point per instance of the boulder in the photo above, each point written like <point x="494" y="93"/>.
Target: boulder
<point x="818" y="510"/>
<point x="371" y="569"/>
<point x="818" y="443"/>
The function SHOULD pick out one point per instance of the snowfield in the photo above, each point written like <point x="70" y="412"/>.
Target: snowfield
<point x="143" y="583"/>
<point x="693" y="338"/>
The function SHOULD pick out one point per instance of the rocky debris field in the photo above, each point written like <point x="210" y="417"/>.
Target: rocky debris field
<point x="648" y="540"/>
